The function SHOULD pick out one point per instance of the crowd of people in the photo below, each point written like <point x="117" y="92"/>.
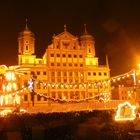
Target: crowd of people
<point x="69" y="126"/>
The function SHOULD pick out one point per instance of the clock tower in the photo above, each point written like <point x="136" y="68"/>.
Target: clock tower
<point x="26" y="46"/>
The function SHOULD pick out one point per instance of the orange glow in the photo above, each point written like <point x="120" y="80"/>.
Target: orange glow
<point x="5" y="112"/>
<point x="125" y="112"/>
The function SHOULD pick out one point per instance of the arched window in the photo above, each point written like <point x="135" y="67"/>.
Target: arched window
<point x="26" y="47"/>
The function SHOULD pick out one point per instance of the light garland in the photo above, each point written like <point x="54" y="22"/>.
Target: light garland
<point x="68" y="100"/>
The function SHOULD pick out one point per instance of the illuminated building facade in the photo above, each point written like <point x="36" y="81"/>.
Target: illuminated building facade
<point x="68" y="71"/>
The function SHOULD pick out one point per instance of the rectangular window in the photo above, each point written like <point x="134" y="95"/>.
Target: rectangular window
<point x="53" y="80"/>
<point x="44" y="73"/>
<point x="45" y="99"/>
<point x="52" y="55"/>
<point x="58" y="73"/>
<point x="32" y="73"/>
<point x="75" y="55"/>
<point x="52" y="64"/>
<point x="65" y="80"/>
<point x="58" y="64"/>
<point x="64" y="64"/>
<point x="25" y="97"/>
<point x="75" y="64"/>
<point x="58" y="55"/>
<point x="38" y="72"/>
<point x="38" y="86"/>
<point x="105" y="74"/>
<point x="65" y="73"/>
<point x="94" y="73"/>
<point x="70" y="73"/>
<point x="69" y="55"/>
<point x="70" y="64"/>
<point x="38" y="97"/>
<point x="89" y="73"/>
<point x="81" y="65"/>
<point x="64" y="55"/>
<point x="81" y="56"/>
<point x="52" y="74"/>
<point x="100" y="73"/>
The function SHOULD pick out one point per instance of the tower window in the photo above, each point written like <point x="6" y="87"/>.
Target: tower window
<point x="89" y="51"/>
<point x="105" y="74"/>
<point x="26" y="47"/>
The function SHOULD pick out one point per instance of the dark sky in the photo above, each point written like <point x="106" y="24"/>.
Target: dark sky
<point x="115" y="25"/>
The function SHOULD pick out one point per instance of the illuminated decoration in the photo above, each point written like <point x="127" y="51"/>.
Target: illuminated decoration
<point x="5" y="112"/>
<point x="125" y="112"/>
<point x="31" y="85"/>
<point x="68" y="100"/>
<point x="9" y="111"/>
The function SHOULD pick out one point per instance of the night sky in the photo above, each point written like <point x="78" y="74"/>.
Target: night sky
<point x="115" y="25"/>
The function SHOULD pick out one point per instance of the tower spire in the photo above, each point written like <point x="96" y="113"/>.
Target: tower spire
<point x="26" y="26"/>
<point x="65" y="28"/>
<point x="107" y="64"/>
<point x="85" y="29"/>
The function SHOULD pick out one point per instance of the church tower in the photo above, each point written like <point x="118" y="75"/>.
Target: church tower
<point x="26" y="46"/>
<point x="87" y="42"/>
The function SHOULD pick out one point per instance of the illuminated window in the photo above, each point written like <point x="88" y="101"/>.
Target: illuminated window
<point x="26" y="61"/>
